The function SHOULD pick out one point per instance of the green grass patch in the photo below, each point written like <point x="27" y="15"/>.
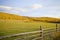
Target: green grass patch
<point x="8" y="27"/>
<point x="12" y="27"/>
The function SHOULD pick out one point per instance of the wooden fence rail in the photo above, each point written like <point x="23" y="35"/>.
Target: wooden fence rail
<point x="42" y="32"/>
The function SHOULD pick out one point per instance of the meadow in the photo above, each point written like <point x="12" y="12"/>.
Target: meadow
<point x="8" y="27"/>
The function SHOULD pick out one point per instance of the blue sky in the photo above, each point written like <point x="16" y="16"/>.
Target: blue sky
<point x="32" y="8"/>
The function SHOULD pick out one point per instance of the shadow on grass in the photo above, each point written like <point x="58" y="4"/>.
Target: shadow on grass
<point x="57" y="36"/>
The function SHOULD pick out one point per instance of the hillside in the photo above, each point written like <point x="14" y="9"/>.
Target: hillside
<point x="6" y="16"/>
<point x="47" y="19"/>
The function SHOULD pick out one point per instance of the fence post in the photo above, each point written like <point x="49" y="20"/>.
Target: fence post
<point x="41" y="33"/>
<point x="56" y="28"/>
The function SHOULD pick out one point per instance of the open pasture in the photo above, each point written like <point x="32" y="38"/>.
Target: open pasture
<point x="8" y="27"/>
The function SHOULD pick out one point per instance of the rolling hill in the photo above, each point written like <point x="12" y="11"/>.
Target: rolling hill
<point x="6" y="16"/>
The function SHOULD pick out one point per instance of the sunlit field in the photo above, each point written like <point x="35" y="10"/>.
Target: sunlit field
<point x="8" y="27"/>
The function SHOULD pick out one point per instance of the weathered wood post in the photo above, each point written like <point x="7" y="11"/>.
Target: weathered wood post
<point x="41" y="33"/>
<point x="56" y="28"/>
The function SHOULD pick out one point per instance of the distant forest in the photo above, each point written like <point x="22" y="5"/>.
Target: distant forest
<point x="6" y="16"/>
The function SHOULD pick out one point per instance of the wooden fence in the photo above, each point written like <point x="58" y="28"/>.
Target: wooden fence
<point x="34" y="35"/>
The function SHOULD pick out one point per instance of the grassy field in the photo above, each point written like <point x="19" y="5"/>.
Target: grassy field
<point x="8" y="27"/>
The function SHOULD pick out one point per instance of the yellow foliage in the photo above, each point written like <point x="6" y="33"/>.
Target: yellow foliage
<point x="6" y="16"/>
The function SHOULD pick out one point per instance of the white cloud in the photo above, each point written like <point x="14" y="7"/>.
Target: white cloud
<point x="21" y="9"/>
<point x="13" y="9"/>
<point x="36" y="6"/>
<point x="6" y="7"/>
